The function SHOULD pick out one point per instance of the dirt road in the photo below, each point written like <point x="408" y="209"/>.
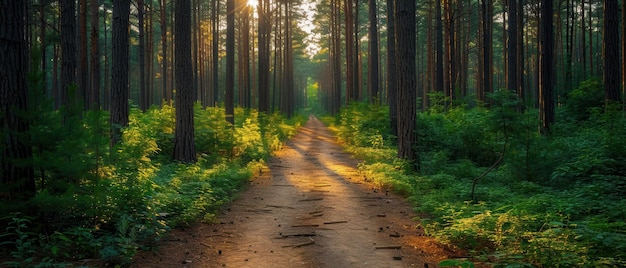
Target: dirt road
<point x="310" y="209"/>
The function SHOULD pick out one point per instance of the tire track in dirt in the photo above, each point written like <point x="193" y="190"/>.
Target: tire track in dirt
<point x="310" y="209"/>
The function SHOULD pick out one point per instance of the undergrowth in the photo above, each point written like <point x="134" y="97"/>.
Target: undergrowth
<point x="97" y="202"/>
<point x="553" y="201"/>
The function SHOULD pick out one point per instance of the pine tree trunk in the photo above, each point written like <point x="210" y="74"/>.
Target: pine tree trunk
<point x="16" y="174"/>
<point x="68" y="49"/>
<point x="165" y="96"/>
<point x="439" y="86"/>
<point x="392" y="91"/>
<point x="350" y="53"/>
<point x="546" y="94"/>
<point x="612" y="80"/>
<point x="83" y="71"/>
<point x="230" y="62"/>
<point x="372" y="67"/>
<point x="119" y="69"/>
<point x="405" y="60"/>
<point x="184" y="148"/>
<point x="264" y="50"/>
<point x="143" y="91"/>
<point x="94" y="92"/>
<point x="512" y="47"/>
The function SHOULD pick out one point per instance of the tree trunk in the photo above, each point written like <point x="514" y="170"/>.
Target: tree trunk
<point x="288" y="81"/>
<point x="165" y="94"/>
<point x="215" y="52"/>
<point x="405" y="48"/>
<point x="143" y="92"/>
<point x="83" y="71"/>
<point x="43" y="43"/>
<point x="372" y="65"/>
<point x="264" y="51"/>
<point x="17" y="176"/>
<point x="546" y="94"/>
<point x="119" y="69"/>
<point x="350" y="53"/>
<point x="184" y="148"/>
<point x="392" y="91"/>
<point x="612" y="80"/>
<point x="487" y="18"/>
<point x="94" y="92"/>
<point x="439" y="43"/>
<point x="512" y="47"/>
<point x="68" y="49"/>
<point x="230" y="61"/>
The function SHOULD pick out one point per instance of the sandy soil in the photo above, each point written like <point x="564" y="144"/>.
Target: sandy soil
<point x="311" y="208"/>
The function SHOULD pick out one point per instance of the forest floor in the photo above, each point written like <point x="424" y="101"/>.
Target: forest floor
<point x="310" y="208"/>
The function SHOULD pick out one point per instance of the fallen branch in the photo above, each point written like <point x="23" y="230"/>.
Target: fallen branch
<point x="389" y="247"/>
<point x="312" y="199"/>
<point x="277" y="206"/>
<point x="334" y="222"/>
<point x="306" y="225"/>
<point x="301" y="244"/>
<point x="297" y="235"/>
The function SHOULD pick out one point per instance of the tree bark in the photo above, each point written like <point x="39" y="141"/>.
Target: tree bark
<point x="512" y="47"/>
<point x="165" y="94"/>
<point x="184" y="148"/>
<point x="372" y="64"/>
<point x="230" y="61"/>
<point x="392" y="91"/>
<point x="68" y="49"/>
<point x="439" y="43"/>
<point x="143" y="93"/>
<point x="16" y="172"/>
<point x="350" y="53"/>
<point x="546" y="94"/>
<point x="405" y="48"/>
<point x="612" y="80"/>
<point x="487" y="74"/>
<point x="94" y="92"/>
<point x="119" y="69"/>
<point x="264" y="57"/>
<point x="83" y="71"/>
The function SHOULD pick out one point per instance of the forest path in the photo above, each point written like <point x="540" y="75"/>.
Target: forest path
<point x="312" y="208"/>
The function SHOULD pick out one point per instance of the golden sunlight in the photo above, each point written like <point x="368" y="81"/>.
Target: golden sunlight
<point x="253" y="3"/>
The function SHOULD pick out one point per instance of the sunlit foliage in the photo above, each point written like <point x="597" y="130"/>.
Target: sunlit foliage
<point x="106" y="203"/>
<point x="555" y="201"/>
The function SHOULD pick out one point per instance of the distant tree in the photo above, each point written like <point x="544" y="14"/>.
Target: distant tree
<point x="166" y="94"/>
<point x="352" y="93"/>
<point x="229" y="100"/>
<point x="439" y="44"/>
<point x="94" y="91"/>
<point x="143" y="90"/>
<point x="244" y="84"/>
<point x="612" y="80"/>
<point x="83" y="70"/>
<point x="264" y="27"/>
<point x="119" y="69"/>
<point x="16" y="175"/>
<point x="68" y="49"/>
<point x="215" y="35"/>
<point x="512" y="47"/>
<point x="405" y="60"/>
<point x="288" y="80"/>
<point x="372" y="66"/>
<point x="392" y="86"/>
<point x="184" y="148"/>
<point x="486" y="49"/>
<point x="335" y="56"/>
<point x="546" y="82"/>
